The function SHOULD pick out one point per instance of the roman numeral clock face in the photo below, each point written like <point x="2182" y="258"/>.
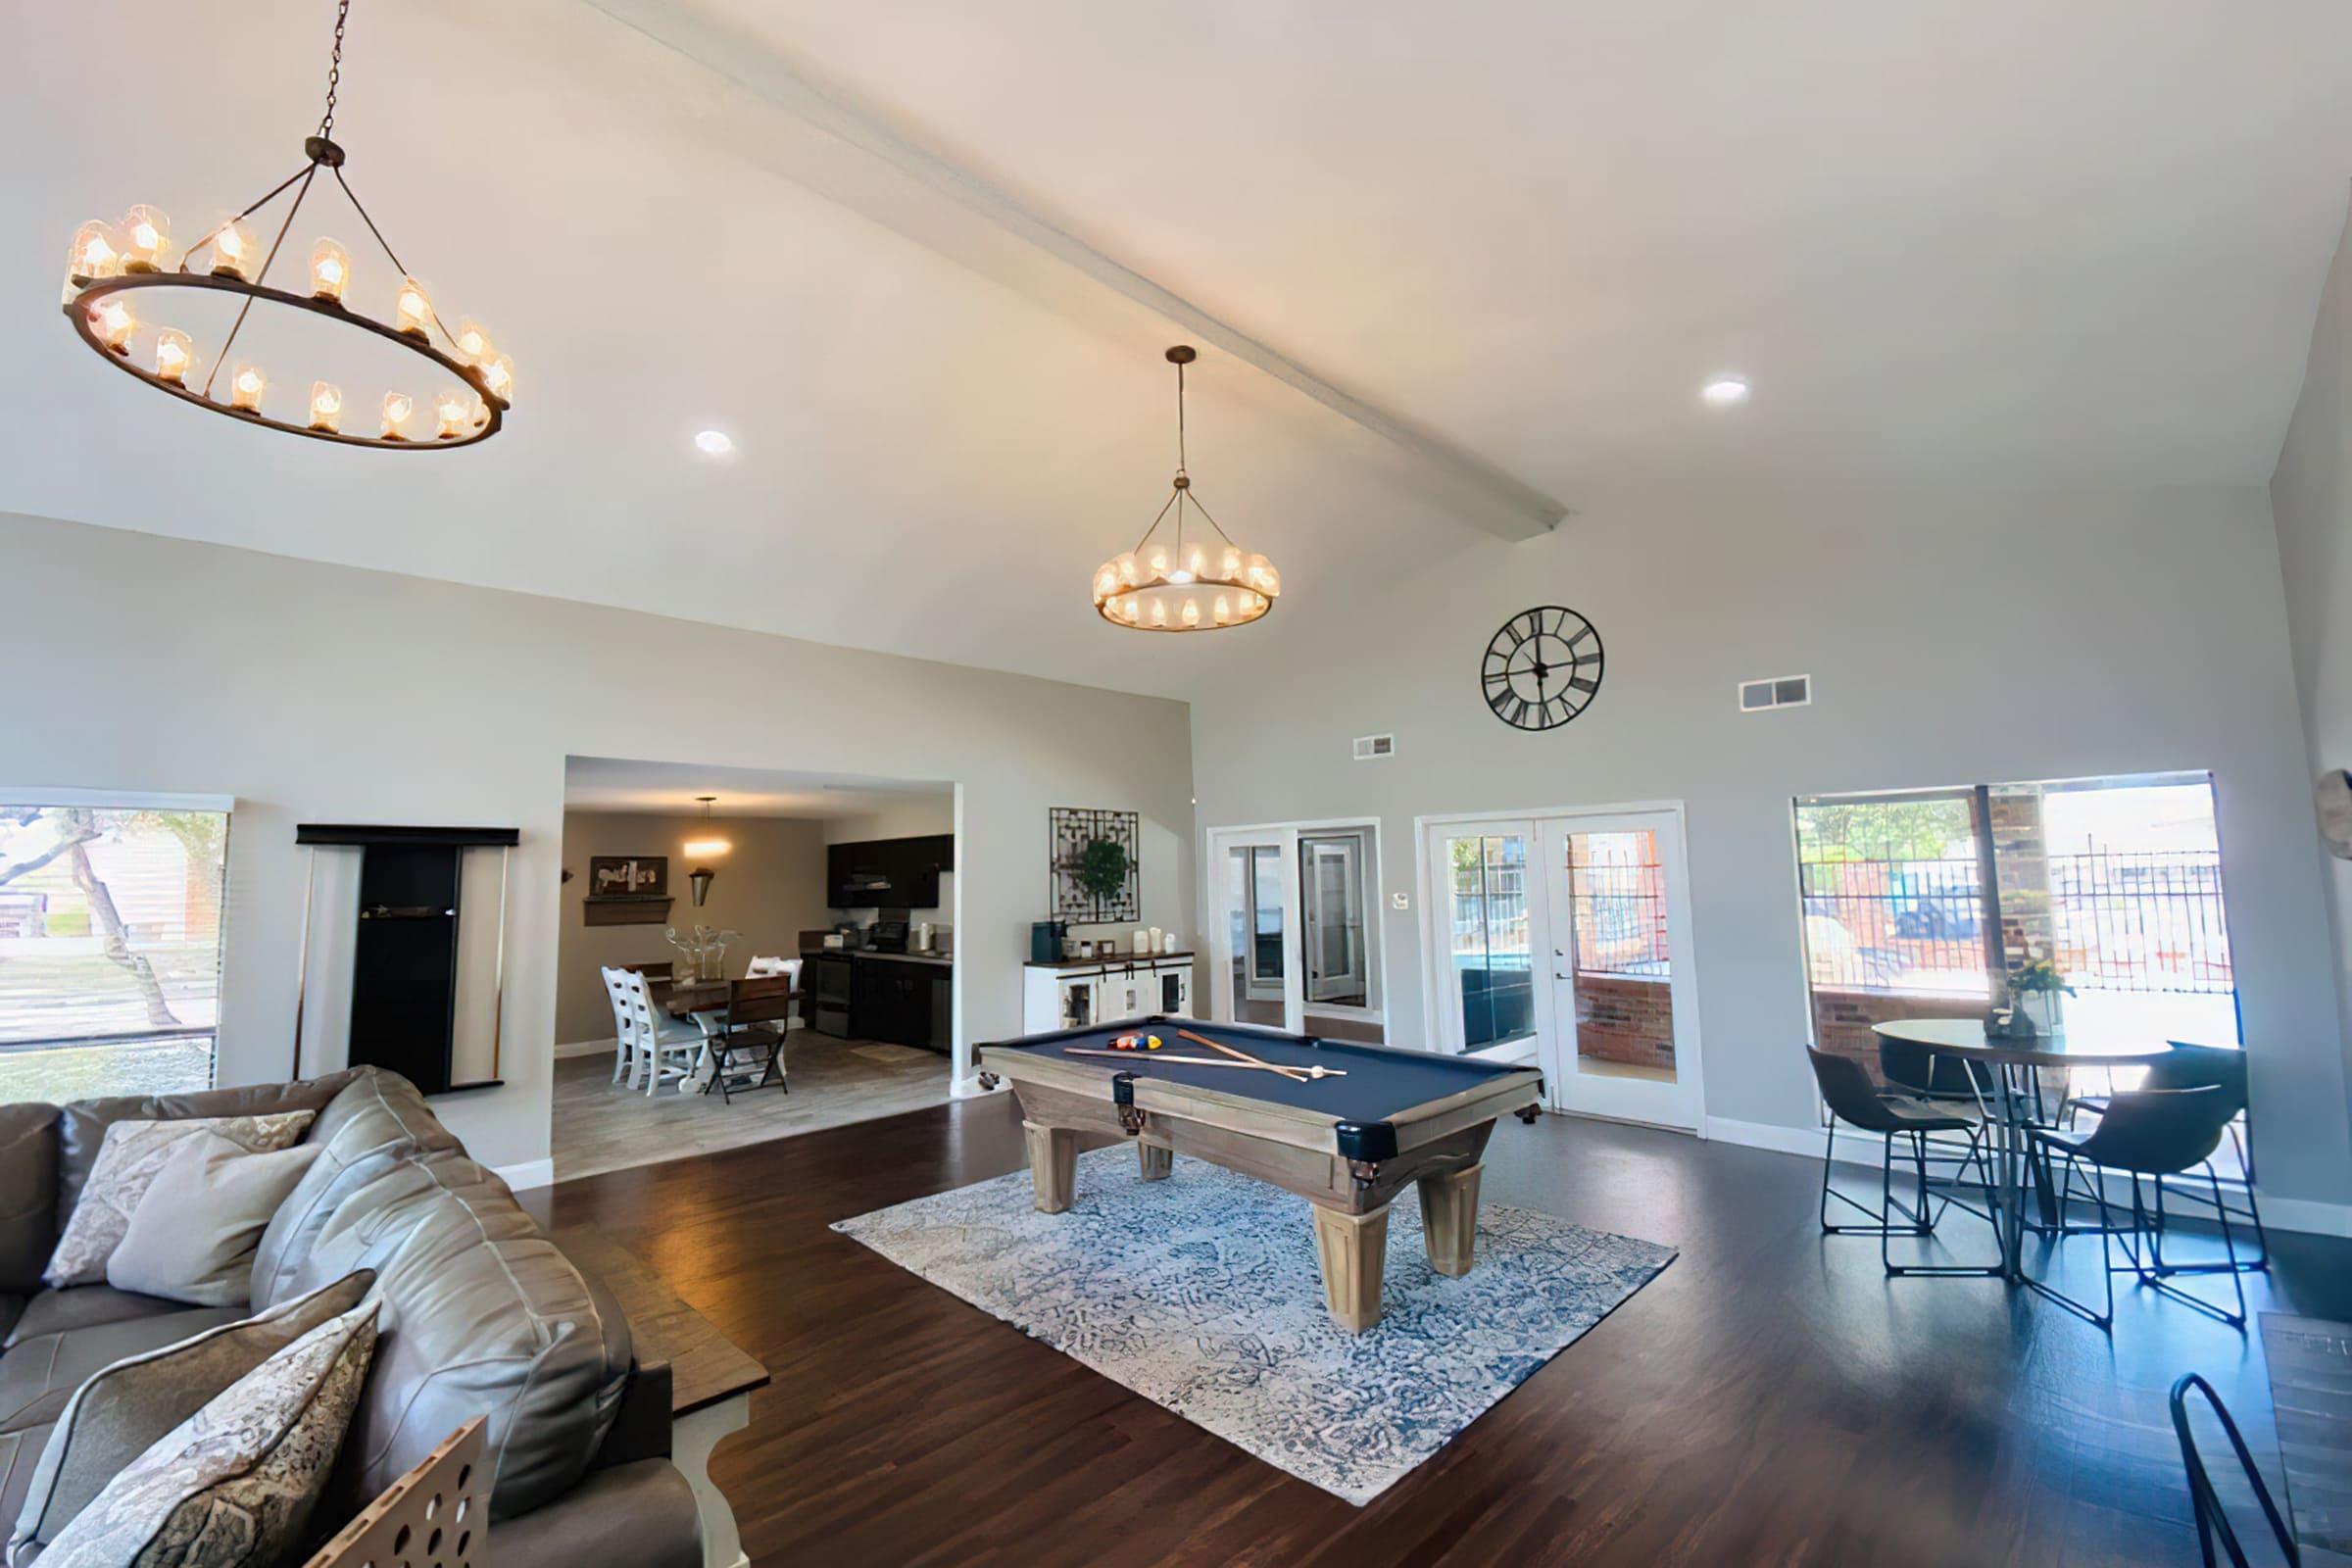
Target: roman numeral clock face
<point x="1541" y="668"/>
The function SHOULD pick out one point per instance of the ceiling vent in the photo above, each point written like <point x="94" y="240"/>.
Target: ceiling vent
<point x="1781" y="691"/>
<point x="1368" y="747"/>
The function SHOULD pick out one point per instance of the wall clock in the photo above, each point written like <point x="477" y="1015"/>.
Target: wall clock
<point x="1541" y="668"/>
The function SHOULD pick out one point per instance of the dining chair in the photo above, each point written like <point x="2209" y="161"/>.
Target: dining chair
<point x="767" y="968"/>
<point x="2151" y="1133"/>
<point x="2212" y="1520"/>
<point x="1853" y="1098"/>
<point x="624" y="1026"/>
<point x="2194" y="1066"/>
<point x="659" y="1040"/>
<point x="753" y="1025"/>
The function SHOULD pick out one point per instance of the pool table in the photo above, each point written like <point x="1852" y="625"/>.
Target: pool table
<point x="1346" y="1145"/>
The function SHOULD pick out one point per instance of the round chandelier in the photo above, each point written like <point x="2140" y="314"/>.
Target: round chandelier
<point x="115" y="268"/>
<point x="1181" y="585"/>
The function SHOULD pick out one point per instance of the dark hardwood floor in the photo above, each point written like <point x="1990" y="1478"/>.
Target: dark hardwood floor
<point x="1770" y="1399"/>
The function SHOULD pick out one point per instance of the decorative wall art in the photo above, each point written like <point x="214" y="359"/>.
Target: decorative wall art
<point x="626" y="890"/>
<point x="1093" y="866"/>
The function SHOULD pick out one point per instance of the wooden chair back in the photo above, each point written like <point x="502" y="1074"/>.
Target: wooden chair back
<point x="764" y="1000"/>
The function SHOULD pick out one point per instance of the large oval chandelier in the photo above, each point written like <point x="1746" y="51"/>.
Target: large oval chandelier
<point x="115" y="265"/>
<point x="1181" y="585"/>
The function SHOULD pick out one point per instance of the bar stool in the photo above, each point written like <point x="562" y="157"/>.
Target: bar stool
<point x="1855" y="1100"/>
<point x="2153" y="1133"/>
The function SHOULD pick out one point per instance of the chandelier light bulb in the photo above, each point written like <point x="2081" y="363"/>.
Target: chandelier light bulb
<point x="94" y="255"/>
<point x="1224" y="610"/>
<point x="454" y="409"/>
<point x="112" y="320"/>
<point x="173" y="354"/>
<point x="331" y="272"/>
<point x="398" y="405"/>
<point x="498" y="377"/>
<point x="413" y="308"/>
<point x="146" y="235"/>
<point x="326" y="407"/>
<point x="245" y="389"/>
<point x="474" y="341"/>
<point x="232" y="252"/>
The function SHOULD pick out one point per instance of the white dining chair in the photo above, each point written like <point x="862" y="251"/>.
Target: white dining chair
<point x="661" y="1041"/>
<point x="624" y="1027"/>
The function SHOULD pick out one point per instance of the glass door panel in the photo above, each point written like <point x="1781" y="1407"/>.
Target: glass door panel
<point x="1254" y="978"/>
<point x="1331" y="890"/>
<point x="1487" y="928"/>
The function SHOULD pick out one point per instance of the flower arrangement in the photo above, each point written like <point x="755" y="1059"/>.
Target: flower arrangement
<point x="2038" y="975"/>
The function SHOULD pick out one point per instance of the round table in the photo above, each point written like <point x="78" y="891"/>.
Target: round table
<point x="1966" y="1039"/>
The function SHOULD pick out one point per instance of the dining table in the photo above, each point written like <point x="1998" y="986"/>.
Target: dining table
<point x="2011" y="1060"/>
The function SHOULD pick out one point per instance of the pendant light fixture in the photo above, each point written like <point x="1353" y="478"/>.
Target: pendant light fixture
<point x="709" y="847"/>
<point x="118" y="272"/>
<point x="1180" y="582"/>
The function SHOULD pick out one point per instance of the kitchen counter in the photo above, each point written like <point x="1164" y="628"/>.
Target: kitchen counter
<point x="1111" y="959"/>
<point x="938" y="960"/>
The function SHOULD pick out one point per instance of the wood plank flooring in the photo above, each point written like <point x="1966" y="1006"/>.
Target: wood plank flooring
<point x="1770" y="1399"/>
<point x="602" y="1126"/>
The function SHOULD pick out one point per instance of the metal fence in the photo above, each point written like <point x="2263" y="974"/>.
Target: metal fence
<point x="2141" y="920"/>
<point x="1894" y="924"/>
<point x="1619" y="906"/>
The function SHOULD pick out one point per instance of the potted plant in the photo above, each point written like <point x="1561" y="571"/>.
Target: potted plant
<point x="2034" y="987"/>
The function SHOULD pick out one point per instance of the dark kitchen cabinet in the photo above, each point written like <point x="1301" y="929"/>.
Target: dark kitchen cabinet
<point x="888" y="873"/>
<point x="902" y="1004"/>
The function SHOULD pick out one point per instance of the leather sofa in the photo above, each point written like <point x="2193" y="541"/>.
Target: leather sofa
<point x="482" y="1315"/>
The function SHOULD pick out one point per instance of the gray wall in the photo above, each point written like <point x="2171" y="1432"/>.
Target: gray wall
<point x="770" y="887"/>
<point x="2311" y="496"/>
<point x="1952" y="639"/>
<point x="316" y="693"/>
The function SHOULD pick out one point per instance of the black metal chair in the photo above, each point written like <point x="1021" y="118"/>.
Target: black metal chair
<point x="2212" y="1520"/>
<point x="1857" y="1102"/>
<point x="2152" y="1133"/>
<point x="754" y="1025"/>
<point x="2190" y="1067"/>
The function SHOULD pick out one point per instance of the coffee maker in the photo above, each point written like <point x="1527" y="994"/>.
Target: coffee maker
<point x="1045" y="938"/>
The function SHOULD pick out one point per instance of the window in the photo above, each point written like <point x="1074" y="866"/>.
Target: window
<point x="1488" y="895"/>
<point x="2116" y="881"/>
<point x="110" y="947"/>
<point x="1618" y="887"/>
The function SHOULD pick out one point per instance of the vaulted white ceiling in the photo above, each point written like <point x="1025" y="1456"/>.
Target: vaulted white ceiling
<point x="2077" y="244"/>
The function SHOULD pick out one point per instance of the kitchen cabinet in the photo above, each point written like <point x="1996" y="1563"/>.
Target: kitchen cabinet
<point x="901" y="1002"/>
<point x="888" y="873"/>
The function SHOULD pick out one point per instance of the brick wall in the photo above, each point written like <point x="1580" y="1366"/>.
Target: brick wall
<point x="1624" y="1019"/>
<point x="1841" y="1019"/>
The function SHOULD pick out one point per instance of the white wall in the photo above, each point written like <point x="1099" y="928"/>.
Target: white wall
<point x="2310" y="497"/>
<point x="1953" y="639"/>
<point x="316" y="693"/>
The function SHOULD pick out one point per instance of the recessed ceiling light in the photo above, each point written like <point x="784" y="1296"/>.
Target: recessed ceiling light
<point x="1724" y="391"/>
<point x="716" y="442"/>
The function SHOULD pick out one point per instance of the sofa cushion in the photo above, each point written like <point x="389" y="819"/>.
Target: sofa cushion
<point x="123" y="1409"/>
<point x="84" y="1306"/>
<point x="234" y="1485"/>
<point x="482" y="1316"/>
<point x="59" y="1364"/>
<point x="28" y="1165"/>
<point x="375" y="1121"/>
<point x="192" y="1237"/>
<point x="21" y="1453"/>
<point x="82" y="1124"/>
<point x="129" y="1159"/>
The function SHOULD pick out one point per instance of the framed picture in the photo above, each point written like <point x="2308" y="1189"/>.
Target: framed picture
<point x="628" y="876"/>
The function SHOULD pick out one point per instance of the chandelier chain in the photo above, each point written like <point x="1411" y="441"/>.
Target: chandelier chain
<point x="335" y="70"/>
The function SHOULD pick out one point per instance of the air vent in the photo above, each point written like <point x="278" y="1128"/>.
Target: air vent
<point x="1781" y="691"/>
<point x="1367" y="747"/>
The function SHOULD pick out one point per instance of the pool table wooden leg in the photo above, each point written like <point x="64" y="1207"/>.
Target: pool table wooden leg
<point x="1053" y="1165"/>
<point x="1450" y="1217"/>
<point x="1157" y="1160"/>
<point x="1354" y="1252"/>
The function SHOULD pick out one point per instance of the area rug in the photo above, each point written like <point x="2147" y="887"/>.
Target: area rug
<point x="1202" y="1294"/>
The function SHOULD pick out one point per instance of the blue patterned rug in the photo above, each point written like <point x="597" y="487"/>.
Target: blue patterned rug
<point x="1202" y="1294"/>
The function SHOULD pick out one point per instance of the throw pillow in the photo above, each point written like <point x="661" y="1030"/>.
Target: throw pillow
<point x="234" y="1485"/>
<point x="126" y="1165"/>
<point x="122" y="1409"/>
<point x="192" y="1237"/>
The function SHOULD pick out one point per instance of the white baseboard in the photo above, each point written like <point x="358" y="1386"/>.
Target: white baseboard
<point x="2307" y="1217"/>
<point x="530" y="1174"/>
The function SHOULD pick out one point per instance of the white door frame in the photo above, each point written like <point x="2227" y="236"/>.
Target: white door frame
<point x="1211" y="909"/>
<point x="1678" y="894"/>
<point x="1348" y="851"/>
<point x="1223" y="842"/>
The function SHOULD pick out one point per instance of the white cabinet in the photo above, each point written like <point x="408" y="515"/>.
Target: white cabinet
<point x="1106" y="991"/>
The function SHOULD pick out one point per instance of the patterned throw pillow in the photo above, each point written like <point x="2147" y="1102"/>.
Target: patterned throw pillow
<point x="127" y="1166"/>
<point x="234" y="1485"/>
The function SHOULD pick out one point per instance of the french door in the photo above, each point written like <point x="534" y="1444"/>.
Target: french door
<point x="1567" y="935"/>
<point x="1253" y="932"/>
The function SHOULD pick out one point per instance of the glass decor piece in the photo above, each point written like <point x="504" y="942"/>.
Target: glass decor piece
<point x="704" y="949"/>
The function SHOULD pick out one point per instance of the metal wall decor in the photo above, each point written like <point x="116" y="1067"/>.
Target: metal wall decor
<point x="114" y="265"/>
<point x="1073" y="829"/>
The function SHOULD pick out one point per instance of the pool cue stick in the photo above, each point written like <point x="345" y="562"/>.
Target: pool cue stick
<point x="1210" y="1062"/>
<point x="1237" y="1055"/>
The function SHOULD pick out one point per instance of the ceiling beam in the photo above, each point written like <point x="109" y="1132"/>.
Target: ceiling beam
<point x="1490" y="498"/>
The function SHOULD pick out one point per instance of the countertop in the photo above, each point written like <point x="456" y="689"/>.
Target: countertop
<point x="937" y="960"/>
<point x="1113" y="961"/>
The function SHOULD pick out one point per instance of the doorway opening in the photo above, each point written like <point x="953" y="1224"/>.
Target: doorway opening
<point x="1293" y="940"/>
<point x="1563" y="938"/>
<point x="711" y="914"/>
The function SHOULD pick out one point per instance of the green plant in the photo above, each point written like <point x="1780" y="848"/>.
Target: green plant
<point x="2038" y="975"/>
<point x="1103" y="869"/>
